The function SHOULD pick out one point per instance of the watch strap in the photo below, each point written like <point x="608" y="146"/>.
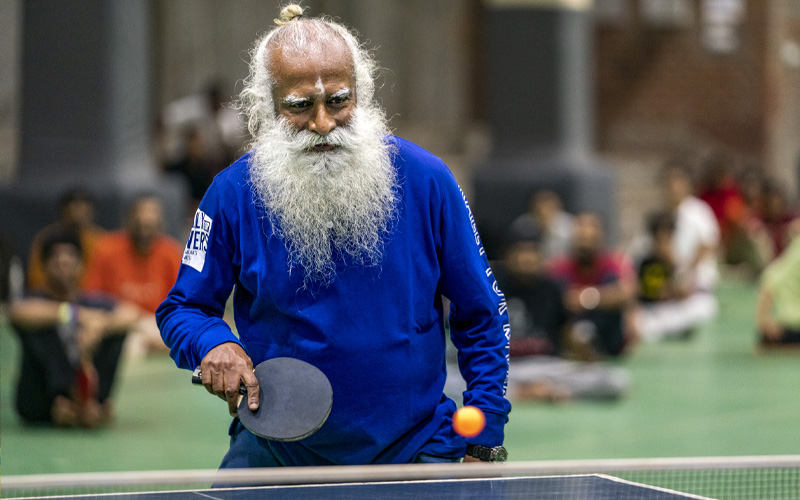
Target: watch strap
<point x="486" y="454"/>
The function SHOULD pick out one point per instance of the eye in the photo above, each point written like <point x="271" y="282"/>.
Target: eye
<point x="338" y="100"/>
<point x="299" y="104"/>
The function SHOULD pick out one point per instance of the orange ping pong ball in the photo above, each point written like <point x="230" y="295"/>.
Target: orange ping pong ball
<point x="469" y="421"/>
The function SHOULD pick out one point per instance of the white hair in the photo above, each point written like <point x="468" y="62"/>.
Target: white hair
<point x="293" y="31"/>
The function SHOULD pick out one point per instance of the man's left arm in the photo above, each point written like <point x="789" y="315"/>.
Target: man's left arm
<point x="479" y="325"/>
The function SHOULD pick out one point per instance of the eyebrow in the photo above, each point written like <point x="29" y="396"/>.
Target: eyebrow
<point x="293" y="100"/>
<point x="340" y="93"/>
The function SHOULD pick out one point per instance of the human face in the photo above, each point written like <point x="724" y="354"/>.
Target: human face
<point x="588" y="234"/>
<point x="676" y="187"/>
<point x="314" y="91"/>
<point x="63" y="268"/>
<point x="145" y="222"/>
<point x="78" y="213"/>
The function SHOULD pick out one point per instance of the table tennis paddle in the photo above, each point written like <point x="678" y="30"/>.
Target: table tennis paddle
<point x="295" y="400"/>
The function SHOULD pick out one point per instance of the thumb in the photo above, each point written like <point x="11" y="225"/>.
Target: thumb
<point x="251" y="382"/>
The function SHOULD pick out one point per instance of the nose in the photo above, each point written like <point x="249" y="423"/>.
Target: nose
<point x="321" y="122"/>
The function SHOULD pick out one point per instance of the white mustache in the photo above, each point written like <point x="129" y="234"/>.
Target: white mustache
<point x="306" y="140"/>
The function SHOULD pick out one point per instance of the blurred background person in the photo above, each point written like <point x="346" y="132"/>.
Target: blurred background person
<point x="744" y="240"/>
<point x="720" y="191"/>
<point x="75" y="212"/>
<point x="597" y="289"/>
<point x="546" y="217"/>
<point x="138" y="264"/>
<point x="777" y="216"/>
<point x="696" y="237"/>
<point x="219" y="125"/>
<point x="536" y="307"/>
<point x="751" y="181"/>
<point x="539" y="321"/>
<point x="71" y="341"/>
<point x="668" y="304"/>
<point x="195" y="167"/>
<point x="778" y="309"/>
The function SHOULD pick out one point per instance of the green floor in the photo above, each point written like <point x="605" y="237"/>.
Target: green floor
<point x="712" y="395"/>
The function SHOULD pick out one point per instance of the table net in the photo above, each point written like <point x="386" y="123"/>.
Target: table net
<point x="725" y="478"/>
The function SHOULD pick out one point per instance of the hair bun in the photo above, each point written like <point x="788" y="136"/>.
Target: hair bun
<point x="288" y="14"/>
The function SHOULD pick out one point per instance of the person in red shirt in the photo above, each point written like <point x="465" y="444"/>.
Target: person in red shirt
<point x="597" y="287"/>
<point x="139" y="263"/>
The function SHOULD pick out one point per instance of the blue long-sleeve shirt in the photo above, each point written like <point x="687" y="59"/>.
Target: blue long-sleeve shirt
<point x="376" y="332"/>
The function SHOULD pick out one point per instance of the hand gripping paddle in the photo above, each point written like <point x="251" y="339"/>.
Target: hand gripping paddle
<point x="295" y="400"/>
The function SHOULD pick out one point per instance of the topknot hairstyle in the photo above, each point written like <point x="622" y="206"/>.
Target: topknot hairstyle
<point x="289" y="14"/>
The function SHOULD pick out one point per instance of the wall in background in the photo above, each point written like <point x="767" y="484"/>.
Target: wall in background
<point x="10" y="41"/>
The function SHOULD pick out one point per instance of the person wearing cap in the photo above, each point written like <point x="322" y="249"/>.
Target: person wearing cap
<point x="341" y="241"/>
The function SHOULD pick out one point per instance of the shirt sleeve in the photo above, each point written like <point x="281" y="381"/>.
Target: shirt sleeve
<point x="479" y="325"/>
<point x="93" y="279"/>
<point x="708" y="228"/>
<point x="190" y="318"/>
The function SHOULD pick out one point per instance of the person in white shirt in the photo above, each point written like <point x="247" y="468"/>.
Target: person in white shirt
<point x="697" y="236"/>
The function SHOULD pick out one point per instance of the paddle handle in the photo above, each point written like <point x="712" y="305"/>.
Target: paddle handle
<point x="197" y="379"/>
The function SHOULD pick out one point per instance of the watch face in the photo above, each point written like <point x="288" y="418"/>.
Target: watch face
<point x="500" y="454"/>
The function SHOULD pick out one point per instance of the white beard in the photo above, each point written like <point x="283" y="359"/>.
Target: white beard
<point x="330" y="206"/>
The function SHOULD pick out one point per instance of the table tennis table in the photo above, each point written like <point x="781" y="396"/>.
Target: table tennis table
<point x="575" y="487"/>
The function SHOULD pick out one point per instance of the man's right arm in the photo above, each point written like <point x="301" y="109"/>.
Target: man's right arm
<point x="190" y="318"/>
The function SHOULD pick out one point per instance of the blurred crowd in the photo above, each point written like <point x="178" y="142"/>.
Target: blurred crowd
<point x="85" y="293"/>
<point x="575" y="302"/>
<point x="84" y="296"/>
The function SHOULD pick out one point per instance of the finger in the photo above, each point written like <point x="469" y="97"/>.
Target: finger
<point x="232" y="394"/>
<point x="251" y="382"/>
<point x="218" y="384"/>
<point x="207" y="379"/>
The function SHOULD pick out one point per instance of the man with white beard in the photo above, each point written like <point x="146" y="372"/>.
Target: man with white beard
<point x="341" y="241"/>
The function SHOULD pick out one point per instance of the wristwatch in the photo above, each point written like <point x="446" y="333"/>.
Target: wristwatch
<point x="486" y="454"/>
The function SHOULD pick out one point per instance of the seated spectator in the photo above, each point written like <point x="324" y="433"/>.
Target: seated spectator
<point x="71" y="342"/>
<point x="668" y="305"/>
<point x="778" y="310"/>
<point x="597" y="289"/>
<point x="75" y="213"/>
<point x="138" y="264"/>
<point x="696" y="237"/>
<point x="536" y="309"/>
<point x="545" y="217"/>
<point x="539" y="321"/>
<point x="737" y="205"/>
<point x="751" y="181"/>
<point x="777" y="216"/>
<point x="721" y="193"/>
